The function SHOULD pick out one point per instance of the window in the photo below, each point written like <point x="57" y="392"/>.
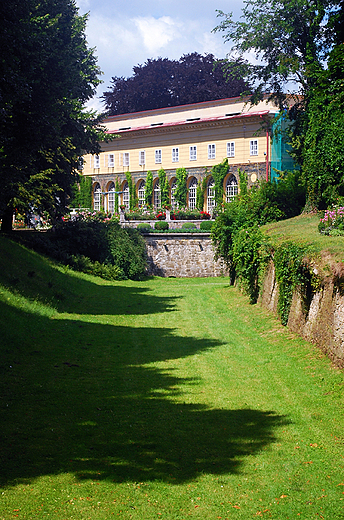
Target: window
<point x="97" y="193"/>
<point x="193" y="153"/>
<point x="141" y="193"/>
<point x="142" y="159"/>
<point x="158" y="156"/>
<point x="211" y="151"/>
<point x="231" y="188"/>
<point x="231" y="149"/>
<point x="126" y="159"/>
<point x="111" y="160"/>
<point x="254" y="147"/>
<point x="96" y="162"/>
<point x="157" y="195"/>
<point x="210" y="195"/>
<point x="111" y="198"/>
<point x="126" y="196"/>
<point x="192" y="193"/>
<point x="175" y="154"/>
<point x="173" y="190"/>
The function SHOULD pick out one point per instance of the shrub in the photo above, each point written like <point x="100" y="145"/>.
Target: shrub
<point x="161" y="225"/>
<point x="206" y="225"/>
<point x="189" y="225"/>
<point x="144" y="227"/>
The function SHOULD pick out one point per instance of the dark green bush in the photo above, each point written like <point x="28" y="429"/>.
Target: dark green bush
<point x="144" y="227"/>
<point x="206" y="225"/>
<point x="189" y="225"/>
<point x="161" y="225"/>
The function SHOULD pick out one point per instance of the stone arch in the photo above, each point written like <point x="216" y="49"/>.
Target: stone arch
<point x="109" y="202"/>
<point x="230" y="187"/>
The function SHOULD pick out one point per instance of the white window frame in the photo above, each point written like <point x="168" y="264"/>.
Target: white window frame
<point x="111" y="160"/>
<point x="175" y="154"/>
<point x="173" y="189"/>
<point x="96" y="162"/>
<point x="97" y="196"/>
<point x="210" y="195"/>
<point x="254" y="147"/>
<point x="231" y="188"/>
<point x="141" y="194"/>
<point x="142" y="157"/>
<point x="157" y="195"/>
<point x="211" y="151"/>
<point x="126" y="196"/>
<point x="192" y="193"/>
<point x="111" y="198"/>
<point x="126" y="158"/>
<point x="158" y="156"/>
<point x="193" y="153"/>
<point x="231" y="149"/>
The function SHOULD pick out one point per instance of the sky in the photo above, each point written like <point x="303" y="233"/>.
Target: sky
<point x="126" y="33"/>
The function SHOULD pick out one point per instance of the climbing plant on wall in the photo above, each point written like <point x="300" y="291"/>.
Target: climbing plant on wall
<point x="149" y="189"/>
<point x="132" y="192"/>
<point x="219" y="172"/>
<point x="200" y="192"/>
<point x="181" y="191"/>
<point x="117" y="189"/>
<point x="164" y="187"/>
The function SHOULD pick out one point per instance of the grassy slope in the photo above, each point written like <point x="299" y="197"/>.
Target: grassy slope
<point x="159" y="399"/>
<point x="304" y="230"/>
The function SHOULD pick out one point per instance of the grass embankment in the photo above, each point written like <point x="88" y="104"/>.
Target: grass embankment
<point x="304" y="231"/>
<point x="167" y="398"/>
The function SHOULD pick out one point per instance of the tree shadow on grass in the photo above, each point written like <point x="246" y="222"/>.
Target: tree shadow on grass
<point x="40" y="279"/>
<point x="85" y="400"/>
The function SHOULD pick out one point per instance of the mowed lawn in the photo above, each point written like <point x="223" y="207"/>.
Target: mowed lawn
<point x="161" y="399"/>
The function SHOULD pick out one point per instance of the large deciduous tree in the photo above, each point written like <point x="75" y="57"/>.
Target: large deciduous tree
<point x="47" y="73"/>
<point x="161" y="82"/>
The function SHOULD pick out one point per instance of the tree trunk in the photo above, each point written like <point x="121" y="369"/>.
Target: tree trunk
<point x="6" y="224"/>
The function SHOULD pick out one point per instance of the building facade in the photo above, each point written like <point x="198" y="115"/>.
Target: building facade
<point x="195" y="137"/>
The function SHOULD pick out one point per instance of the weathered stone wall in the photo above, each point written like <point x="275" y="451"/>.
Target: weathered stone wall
<point x="321" y="322"/>
<point x="182" y="255"/>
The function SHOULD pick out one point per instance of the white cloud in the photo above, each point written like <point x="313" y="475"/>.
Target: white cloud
<point x="157" y="33"/>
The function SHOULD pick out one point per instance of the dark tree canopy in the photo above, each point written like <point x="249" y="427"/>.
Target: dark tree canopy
<point x="161" y="82"/>
<point x="47" y="73"/>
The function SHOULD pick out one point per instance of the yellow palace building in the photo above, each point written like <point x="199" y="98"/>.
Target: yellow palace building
<point x="196" y="137"/>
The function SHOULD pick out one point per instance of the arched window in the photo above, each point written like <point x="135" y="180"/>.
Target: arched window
<point x="141" y="192"/>
<point x="157" y="195"/>
<point x="126" y="196"/>
<point x="192" y="193"/>
<point x="97" y="195"/>
<point x="173" y="190"/>
<point x="111" y="198"/>
<point x="210" y="195"/>
<point x="231" y="188"/>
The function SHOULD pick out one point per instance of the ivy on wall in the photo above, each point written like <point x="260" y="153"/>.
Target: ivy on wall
<point x="82" y="193"/>
<point x="200" y="192"/>
<point x="219" y="172"/>
<point x="149" y="189"/>
<point x="181" y="191"/>
<point x="133" y="201"/>
<point x="164" y="187"/>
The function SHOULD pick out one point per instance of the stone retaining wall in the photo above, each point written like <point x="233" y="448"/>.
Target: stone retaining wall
<point x="182" y="255"/>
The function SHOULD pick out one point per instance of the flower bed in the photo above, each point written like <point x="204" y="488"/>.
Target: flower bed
<point x="332" y="222"/>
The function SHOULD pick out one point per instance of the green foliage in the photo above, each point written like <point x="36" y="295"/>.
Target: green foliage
<point x="219" y="172"/>
<point x="133" y="202"/>
<point x="200" y="193"/>
<point x="323" y="155"/>
<point x="250" y="258"/>
<point x="161" y="225"/>
<point x="164" y="187"/>
<point x="189" y="225"/>
<point x="117" y="189"/>
<point x="181" y="191"/>
<point x="291" y="273"/>
<point x="144" y="226"/>
<point x="82" y="193"/>
<point x="149" y="189"/>
<point x="85" y="265"/>
<point x="243" y="183"/>
<point x="47" y="74"/>
<point x="206" y="225"/>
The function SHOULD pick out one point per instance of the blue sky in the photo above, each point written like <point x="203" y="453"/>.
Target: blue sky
<point x="126" y="33"/>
